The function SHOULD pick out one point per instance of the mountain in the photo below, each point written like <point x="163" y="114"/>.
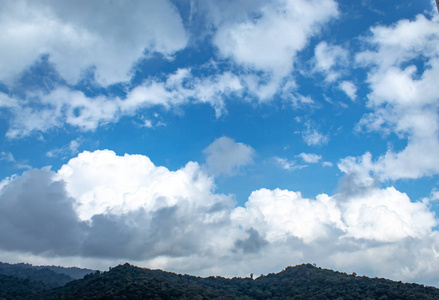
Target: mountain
<point x="300" y="282"/>
<point x="16" y="288"/>
<point x="52" y="276"/>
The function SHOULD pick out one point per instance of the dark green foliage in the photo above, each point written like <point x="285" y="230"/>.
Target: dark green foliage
<point x="27" y="270"/>
<point x="24" y="281"/>
<point x="300" y="282"/>
<point x="43" y="274"/>
<point x="16" y="288"/>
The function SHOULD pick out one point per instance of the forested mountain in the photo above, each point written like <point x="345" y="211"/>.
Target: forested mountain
<point x="300" y="282"/>
<point x="52" y="276"/>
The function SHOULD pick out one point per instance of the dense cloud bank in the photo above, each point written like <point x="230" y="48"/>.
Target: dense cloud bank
<point x="111" y="208"/>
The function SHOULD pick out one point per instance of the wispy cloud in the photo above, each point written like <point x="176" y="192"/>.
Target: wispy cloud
<point x="312" y="137"/>
<point x="288" y="164"/>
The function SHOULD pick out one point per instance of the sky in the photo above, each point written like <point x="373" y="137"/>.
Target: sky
<point x="221" y="137"/>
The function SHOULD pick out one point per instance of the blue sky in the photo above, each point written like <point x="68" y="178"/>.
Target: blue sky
<point x="221" y="137"/>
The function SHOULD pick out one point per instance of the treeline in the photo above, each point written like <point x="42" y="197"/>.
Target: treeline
<point x="300" y="282"/>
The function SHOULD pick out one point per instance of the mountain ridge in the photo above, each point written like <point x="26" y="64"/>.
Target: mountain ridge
<point x="305" y="281"/>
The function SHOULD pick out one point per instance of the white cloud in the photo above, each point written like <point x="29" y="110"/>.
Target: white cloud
<point x="65" y="106"/>
<point x="267" y="37"/>
<point x="108" y="206"/>
<point x="102" y="182"/>
<point x="101" y="209"/>
<point x="312" y="137"/>
<point x="288" y="164"/>
<point x="280" y="214"/>
<point x="225" y="156"/>
<point x="214" y="89"/>
<point x="147" y="123"/>
<point x="71" y="149"/>
<point x="386" y="215"/>
<point x="328" y="59"/>
<point x="7" y="156"/>
<point x="310" y="157"/>
<point x="349" y="88"/>
<point x="7" y="102"/>
<point x="81" y="35"/>
<point x="402" y="99"/>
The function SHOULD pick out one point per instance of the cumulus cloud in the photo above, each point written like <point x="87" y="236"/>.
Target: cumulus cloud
<point x="108" y="206"/>
<point x="267" y="37"/>
<point x="401" y="98"/>
<point x="280" y="214"/>
<point x="37" y="216"/>
<point x="86" y="35"/>
<point x="225" y="156"/>
<point x="103" y="208"/>
<point x="86" y="39"/>
<point x="386" y="215"/>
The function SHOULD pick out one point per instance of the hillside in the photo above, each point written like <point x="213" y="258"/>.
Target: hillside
<point x="52" y="276"/>
<point x="300" y="282"/>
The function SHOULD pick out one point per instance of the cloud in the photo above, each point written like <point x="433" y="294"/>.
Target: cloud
<point x="253" y="243"/>
<point x="327" y="164"/>
<point x="279" y="214"/>
<point x="102" y="182"/>
<point x="86" y="35"/>
<point x="38" y="217"/>
<point x="71" y="148"/>
<point x="332" y="61"/>
<point x="102" y="208"/>
<point x="401" y="98"/>
<point x="107" y="206"/>
<point x="64" y="106"/>
<point x="328" y="59"/>
<point x="9" y="158"/>
<point x="225" y="156"/>
<point x="312" y="137"/>
<point x="310" y="157"/>
<point x="61" y="106"/>
<point x="267" y="38"/>
<point x="349" y="88"/>
<point x="75" y="42"/>
<point x="288" y="164"/>
<point x="386" y="215"/>
<point x="7" y="102"/>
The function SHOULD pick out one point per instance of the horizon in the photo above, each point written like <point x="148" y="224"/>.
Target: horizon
<point x="199" y="137"/>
